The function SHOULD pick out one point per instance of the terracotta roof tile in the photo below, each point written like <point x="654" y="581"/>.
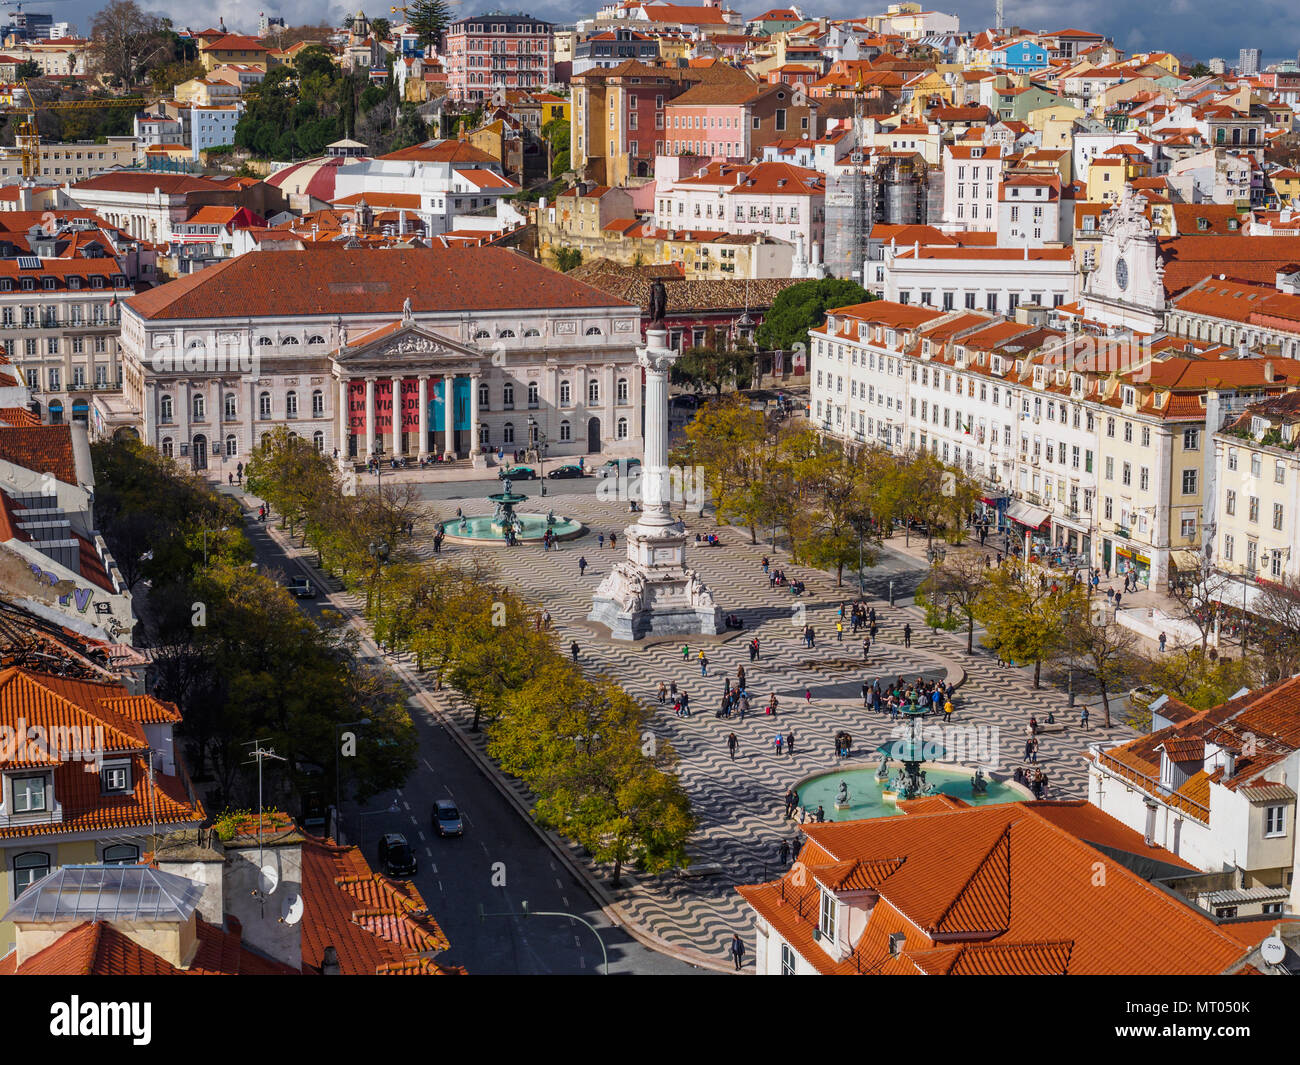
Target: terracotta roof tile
<point x="1008" y="877"/>
<point x="333" y="280"/>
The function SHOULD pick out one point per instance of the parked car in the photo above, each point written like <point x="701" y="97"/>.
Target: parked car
<point x="517" y="473"/>
<point x="564" y="472"/>
<point x="619" y="467"/>
<point x="396" y="858"/>
<point x="301" y="587"/>
<point x="446" y="818"/>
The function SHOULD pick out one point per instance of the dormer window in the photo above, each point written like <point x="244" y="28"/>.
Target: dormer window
<point x="1130" y="396"/>
<point x="115" y="778"/>
<point x="31" y="794"/>
<point x="827" y="923"/>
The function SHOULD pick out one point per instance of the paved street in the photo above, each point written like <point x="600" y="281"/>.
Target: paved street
<point x="737" y="804"/>
<point x="456" y="876"/>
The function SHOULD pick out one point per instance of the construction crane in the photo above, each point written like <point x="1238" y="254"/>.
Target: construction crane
<point x="17" y="6"/>
<point x="27" y="136"/>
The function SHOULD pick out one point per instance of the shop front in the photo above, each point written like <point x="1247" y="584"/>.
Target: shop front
<point x="1072" y="537"/>
<point x="991" y="512"/>
<point x="1128" y="559"/>
<point x="1029" y="522"/>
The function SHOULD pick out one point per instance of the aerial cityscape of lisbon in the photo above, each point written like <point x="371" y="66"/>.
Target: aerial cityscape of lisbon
<point x="651" y="489"/>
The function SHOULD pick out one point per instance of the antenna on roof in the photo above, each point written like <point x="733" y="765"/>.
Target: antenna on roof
<point x="265" y="883"/>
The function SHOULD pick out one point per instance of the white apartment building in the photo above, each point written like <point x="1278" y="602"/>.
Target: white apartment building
<point x="450" y="178"/>
<point x="980" y="393"/>
<point x="1217" y="789"/>
<point x="997" y="280"/>
<point x="778" y="200"/>
<point x="1035" y="211"/>
<point x="971" y="176"/>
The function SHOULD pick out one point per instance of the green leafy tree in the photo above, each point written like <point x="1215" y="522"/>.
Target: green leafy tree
<point x="1024" y="617"/>
<point x="802" y="307"/>
<point x="411" y="128"/>
<point x="713" y="367"/>
<point x="566" y="259"/>
<point x="381" y="29"/>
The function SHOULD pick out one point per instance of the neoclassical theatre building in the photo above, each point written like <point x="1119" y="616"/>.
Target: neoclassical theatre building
<point x="390" y="351"/>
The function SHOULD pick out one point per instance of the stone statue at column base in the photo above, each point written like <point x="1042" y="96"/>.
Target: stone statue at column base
<point x="633" y="603"/>
<point x="651" y="592"/>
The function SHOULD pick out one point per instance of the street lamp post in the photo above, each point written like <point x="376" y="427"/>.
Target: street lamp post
<point x="379" y="552"/>
<point x="393" y="808"/>
<point x="540" y="441"/>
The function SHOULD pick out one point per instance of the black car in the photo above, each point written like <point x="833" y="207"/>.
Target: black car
<point x="396" y="858"/>
<point x="565" y="472"/>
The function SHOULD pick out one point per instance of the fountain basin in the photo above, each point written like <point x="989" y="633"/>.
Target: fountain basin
<point x="485" y="530"/>
<point x="868" y="798"/>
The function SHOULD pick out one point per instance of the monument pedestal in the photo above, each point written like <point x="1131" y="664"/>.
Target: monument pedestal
<point x="652" y="592"/>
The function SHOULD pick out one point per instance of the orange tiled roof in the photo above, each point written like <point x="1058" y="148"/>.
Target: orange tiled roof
<point x="332" y="280"/>
<point x="996" y="889"/>
<point x="375" y="924"/>
<point x="98" y="949"/>
<point x="42" y="448"/>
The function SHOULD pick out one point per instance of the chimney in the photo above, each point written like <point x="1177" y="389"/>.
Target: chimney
<point x="1268" y="371"/>
<point x="1229" y="764"/>
<point x="197" y="855"/>
<point x="1149" y="834"/>
<point x="329" y="964"/>
<point x="1242" y="352"/>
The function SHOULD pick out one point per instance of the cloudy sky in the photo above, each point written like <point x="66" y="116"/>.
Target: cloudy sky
<point x="1200" y="28"/>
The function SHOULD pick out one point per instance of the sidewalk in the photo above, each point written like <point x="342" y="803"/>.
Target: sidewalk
<point x="439" y="705"/>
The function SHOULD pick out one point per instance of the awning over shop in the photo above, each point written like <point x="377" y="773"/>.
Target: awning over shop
<point x="1069" y="523"/>
<point x="1187" y="561"/>
<point x="1022" y="512"/>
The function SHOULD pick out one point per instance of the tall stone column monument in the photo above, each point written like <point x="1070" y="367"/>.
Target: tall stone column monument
<point x="652" y="592"/>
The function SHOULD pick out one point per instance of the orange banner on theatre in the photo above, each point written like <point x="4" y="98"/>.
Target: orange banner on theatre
<point x="357" y="406"/>
<point x="411" y="406"/>
<point x="383" y="406"/>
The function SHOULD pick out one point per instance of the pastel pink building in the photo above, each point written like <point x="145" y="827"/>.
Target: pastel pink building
<point x="495" y="51"/>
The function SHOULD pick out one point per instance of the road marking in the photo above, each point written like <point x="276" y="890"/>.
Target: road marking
<point x="432" y="868"/>
<point x="418" y="832"/>
<point x="582" y="962"/>
<point x="440" y="891"/>
<point x="565" y="899"/>
<point x="558" y="884"/>
<point x="407" y="805"/>
<point x="429" y="852"/>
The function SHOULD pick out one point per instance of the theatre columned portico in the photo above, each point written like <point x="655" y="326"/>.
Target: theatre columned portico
<point x="405" y="391"/>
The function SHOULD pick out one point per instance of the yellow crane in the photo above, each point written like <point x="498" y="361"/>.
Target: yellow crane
<point x="27" y="137"/>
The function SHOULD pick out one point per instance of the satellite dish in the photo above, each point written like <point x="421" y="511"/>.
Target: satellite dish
<point x="291" y="909"/>
<point x="1273" y="950"/>
<point x="268" y="879"/>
